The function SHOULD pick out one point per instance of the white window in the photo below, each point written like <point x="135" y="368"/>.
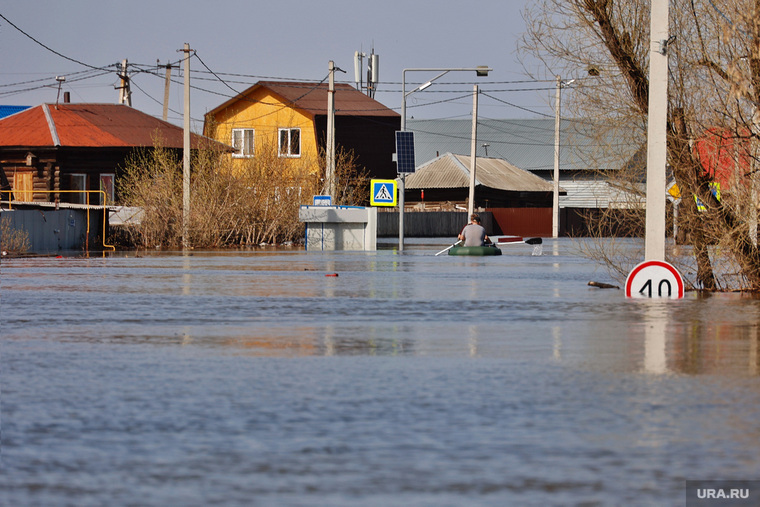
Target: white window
<point x="290" y="143"/>
<point x="242" y="141"/>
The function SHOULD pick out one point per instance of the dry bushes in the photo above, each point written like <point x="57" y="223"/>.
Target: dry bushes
<point x="234" y="202"/>
<point x="12" y="241"/>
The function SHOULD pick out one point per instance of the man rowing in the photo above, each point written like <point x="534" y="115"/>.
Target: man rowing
<point x="473" y="233"/>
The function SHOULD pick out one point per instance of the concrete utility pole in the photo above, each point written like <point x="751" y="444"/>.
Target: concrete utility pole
<point x="753" y="203"/>
<point x="330" y="148"/>
<point x="654" y="246"/>
<point x="555" y="199"/>
<point x="186" y="153"/>
<point x="473" y="152"/>
<point x="557" y="143"/>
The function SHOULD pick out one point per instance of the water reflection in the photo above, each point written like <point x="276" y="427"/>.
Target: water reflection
<point x="408" y="379"/>
<point x="513" y="306"/>
<point x="655" y="326"/>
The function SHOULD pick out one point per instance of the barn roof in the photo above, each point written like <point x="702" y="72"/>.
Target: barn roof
<point x="311" y="97"/>
<point x="89" y="126"/>
<point x="453" y="171"/>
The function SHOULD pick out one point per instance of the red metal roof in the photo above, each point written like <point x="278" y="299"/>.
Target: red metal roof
<point x="88" y="126"/>
<point x="312" y="98"/>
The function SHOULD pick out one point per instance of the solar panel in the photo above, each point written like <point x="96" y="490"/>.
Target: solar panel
<point x="405" y="160"/>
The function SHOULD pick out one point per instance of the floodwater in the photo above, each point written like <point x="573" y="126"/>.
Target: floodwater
<point x="254" y="378"/>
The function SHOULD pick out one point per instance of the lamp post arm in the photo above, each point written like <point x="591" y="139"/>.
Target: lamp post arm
<point x="428" y="83"/>
<point x="481" y="71"/>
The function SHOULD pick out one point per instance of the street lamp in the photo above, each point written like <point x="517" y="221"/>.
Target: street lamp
<point x="480" y="71"/>
<point x="555" y="200"/>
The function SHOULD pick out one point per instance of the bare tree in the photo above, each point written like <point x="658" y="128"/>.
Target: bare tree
<point x="714" y="93"/>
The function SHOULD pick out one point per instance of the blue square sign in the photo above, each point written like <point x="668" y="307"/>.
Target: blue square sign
<point x="382" y="193"/>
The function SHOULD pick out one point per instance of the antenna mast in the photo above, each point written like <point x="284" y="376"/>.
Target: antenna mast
<point x="373" y="71"/>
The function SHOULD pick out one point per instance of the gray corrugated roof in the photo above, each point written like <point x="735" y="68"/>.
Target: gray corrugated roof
<point x="453" y="171"/>
<point x="529" y="143"/>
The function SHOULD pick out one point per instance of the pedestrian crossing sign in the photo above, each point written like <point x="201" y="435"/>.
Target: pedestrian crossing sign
<point x="382" y="193"/>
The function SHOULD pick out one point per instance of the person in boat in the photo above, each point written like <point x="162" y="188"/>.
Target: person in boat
<point x="473" y="233"/>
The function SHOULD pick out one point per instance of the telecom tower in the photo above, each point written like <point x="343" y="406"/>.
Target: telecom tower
<point x="373" y="71"/>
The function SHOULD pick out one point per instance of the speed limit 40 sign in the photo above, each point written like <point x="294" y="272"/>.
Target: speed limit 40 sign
<point x="654" y="279"/>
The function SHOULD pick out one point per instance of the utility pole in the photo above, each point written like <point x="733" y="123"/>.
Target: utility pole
<point x="654" y="246"/>
<point x="555" y="199"/>
<point x="473" y="152"/>
<point x="557" y="122"/>
<point x="330" y="148"/>
<point x="186" y="153"/>
<point x="753" y="189"/>
<point x="167" y="82"/>
<point x="125" y="95"/>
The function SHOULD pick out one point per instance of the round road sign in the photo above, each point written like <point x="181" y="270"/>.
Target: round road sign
<point x="654" y="279"/>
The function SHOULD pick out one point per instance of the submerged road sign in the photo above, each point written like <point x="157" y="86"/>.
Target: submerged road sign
<point x="382" y="193"/>
<point x="654" y="279"/>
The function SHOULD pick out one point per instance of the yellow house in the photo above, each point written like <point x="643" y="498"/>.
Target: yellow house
<point x="293" y="117"/>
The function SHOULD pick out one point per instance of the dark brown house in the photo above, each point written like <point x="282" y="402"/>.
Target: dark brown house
<point x="54" y="152"/>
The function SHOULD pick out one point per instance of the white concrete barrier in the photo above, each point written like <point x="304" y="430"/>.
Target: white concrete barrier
<point x="339" y="227"/>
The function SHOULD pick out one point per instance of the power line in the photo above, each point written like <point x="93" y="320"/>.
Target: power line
<point x="53" y="50"/>
<point x="516" y="106"/>
<point x="34" y="88"/>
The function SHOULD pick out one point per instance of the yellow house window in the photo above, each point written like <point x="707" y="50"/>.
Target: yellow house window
<point x="290" y="142"/>
<point x="242" y="141"/>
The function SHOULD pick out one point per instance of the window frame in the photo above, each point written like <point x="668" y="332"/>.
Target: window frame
<point x="78" y="181"/>
<point x="107" y="185"/>
<point x="244" y="151"/>
<point x="288" y="151"/>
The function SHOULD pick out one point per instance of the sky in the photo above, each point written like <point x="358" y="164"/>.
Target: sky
<point x="242" y="42"/>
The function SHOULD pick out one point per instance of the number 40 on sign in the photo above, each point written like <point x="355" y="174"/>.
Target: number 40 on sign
<point x="654" y="279"/>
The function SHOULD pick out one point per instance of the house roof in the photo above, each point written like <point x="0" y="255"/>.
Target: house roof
<point x="529" y="143"/>
<point x="453" y="171"/>
<point x="9" y="110"/>
<point x="311" y="97"/>
<point x="89" y="126"/>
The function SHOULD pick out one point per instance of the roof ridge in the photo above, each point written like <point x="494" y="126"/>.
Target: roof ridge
<point x="51" y="125"/>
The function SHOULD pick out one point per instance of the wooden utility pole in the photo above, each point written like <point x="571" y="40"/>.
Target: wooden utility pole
<point x="167" y="83"/>
<point x="654" y="247"/>
<point x="125" y="95"/>
<point x="186" y="153"/>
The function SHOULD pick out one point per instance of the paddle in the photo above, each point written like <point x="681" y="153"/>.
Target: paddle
<point x="503" y="240"/>
<point x="448" y="248"/>
<point x="512" y="240"/>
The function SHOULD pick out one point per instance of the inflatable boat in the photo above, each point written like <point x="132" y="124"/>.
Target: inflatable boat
<point x="475" y="250"/>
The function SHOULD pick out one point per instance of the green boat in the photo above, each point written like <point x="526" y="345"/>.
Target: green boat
<point x="475" y="250"/>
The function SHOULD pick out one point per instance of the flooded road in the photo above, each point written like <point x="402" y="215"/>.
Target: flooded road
<point x="254" y="378"/>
